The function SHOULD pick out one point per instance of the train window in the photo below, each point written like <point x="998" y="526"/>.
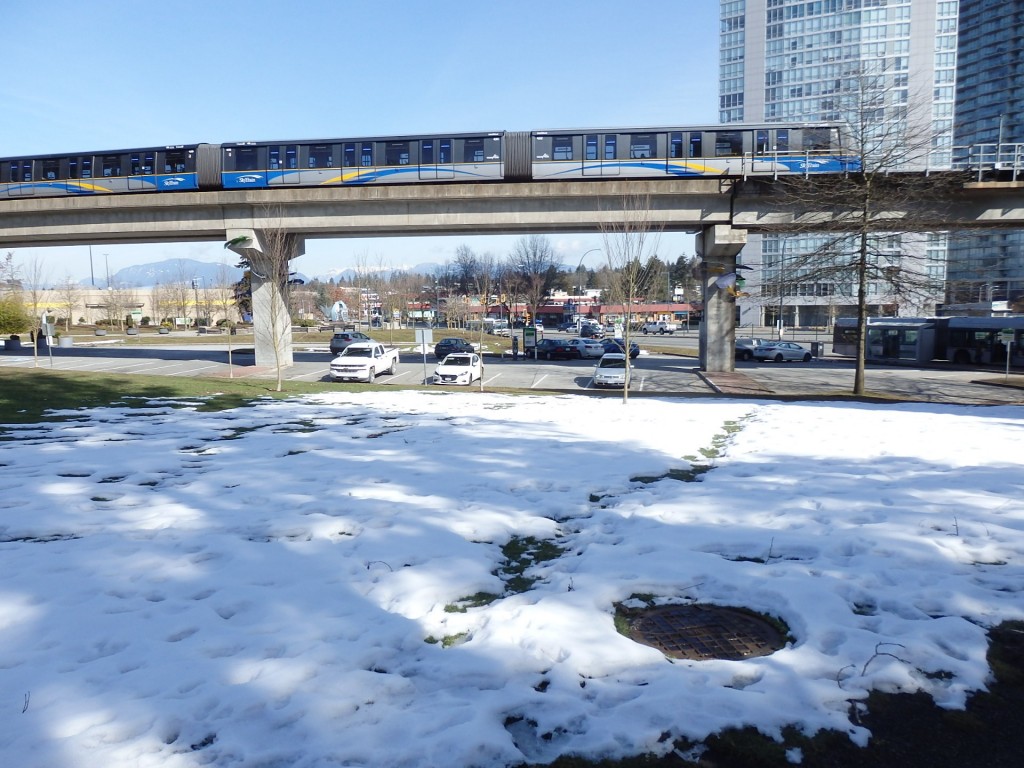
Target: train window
<point x="561" y="147"/>
<point x="445" y="152"/>
<point x="696" y="144"/>
<point x="427" y="152"/>
<point x="366" y="154"/>
<point x="590" y="152"/>
<point x="246" y="159"/>
<point x="321" y="156"/>
<point x="275" y="158"/>
<point x="816" y="139"/>
<point x="782" y="139"/>
<point x="473" y="151"/>
<point x="110" y="165"/>
<point x="51" y="169"/>
<point x="83" y="171"/>
<point x="675" y="144"/>
<point x="396" y="153"/>
<point x="174" y="161"/>
<point x="291" y="154"/>
<point x="135" y="165"/>
<point x="348" y="155"/>
<point x="761" y="143"/>
<point x="642" y="145"/>
<point x="611" y="151"/>
<point x="728" y="143"/>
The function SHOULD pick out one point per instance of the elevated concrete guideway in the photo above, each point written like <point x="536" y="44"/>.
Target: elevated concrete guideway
<point x="722" y="210"/>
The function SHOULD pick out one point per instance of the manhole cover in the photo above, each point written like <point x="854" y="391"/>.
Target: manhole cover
<point x="704" y="632"/>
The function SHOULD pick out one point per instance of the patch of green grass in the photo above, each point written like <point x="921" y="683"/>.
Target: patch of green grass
<point x="30" y="396"/>
<point x="520" y="553"/>
<point x="473" y="601"/>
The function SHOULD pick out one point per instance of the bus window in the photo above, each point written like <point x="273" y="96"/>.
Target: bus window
<point x="642" y="145"/>
<point x="696" y="144"/>
<point x="473" y="151"/>
<point x="590" y="153"/>
<point x="561" y="148"/>
<point x="728" y="143"/>
<point x="611" y="151"/>
<point x="675" y="145"/>
<point x="321" y="156"/>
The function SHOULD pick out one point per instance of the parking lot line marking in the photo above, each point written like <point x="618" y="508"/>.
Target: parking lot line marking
<point x="538" y="381"/>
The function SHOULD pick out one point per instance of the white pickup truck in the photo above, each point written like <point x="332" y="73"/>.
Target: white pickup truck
<point x="659" y="326"/>
<point x="363" y="360"/>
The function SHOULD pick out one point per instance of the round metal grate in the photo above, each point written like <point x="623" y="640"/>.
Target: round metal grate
<point x="704" y="632"/>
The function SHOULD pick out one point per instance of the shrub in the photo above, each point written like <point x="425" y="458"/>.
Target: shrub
<point x="13" y="316"/>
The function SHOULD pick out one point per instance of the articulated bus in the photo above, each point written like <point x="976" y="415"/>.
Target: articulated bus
<point x="960" y="340"/>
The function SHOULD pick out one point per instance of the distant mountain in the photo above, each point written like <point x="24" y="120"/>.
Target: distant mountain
<point x="209" y="274"/>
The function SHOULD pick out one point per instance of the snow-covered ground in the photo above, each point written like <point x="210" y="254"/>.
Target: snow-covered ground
<point x="280" y="585"/>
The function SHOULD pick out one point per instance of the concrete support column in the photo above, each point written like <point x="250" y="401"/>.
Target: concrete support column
<point x="269" y="254"/>
<point x="718" y="246"/>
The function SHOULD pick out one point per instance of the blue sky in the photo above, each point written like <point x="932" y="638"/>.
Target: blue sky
<point x="124" y="74"/>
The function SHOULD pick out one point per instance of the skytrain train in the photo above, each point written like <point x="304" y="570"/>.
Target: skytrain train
<point x="626" y="153"/>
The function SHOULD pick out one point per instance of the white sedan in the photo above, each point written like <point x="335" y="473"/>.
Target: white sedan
<point x="586" y="347"/>
<point x="459" y="368"/>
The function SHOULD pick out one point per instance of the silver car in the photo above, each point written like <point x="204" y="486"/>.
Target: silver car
<point x="586" y="347"/>
<point x="782" y="351"/>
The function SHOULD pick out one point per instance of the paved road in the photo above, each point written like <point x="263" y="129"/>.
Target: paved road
<point x="655" y="373"/>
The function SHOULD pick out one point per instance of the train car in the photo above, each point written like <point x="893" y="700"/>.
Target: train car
<point x="382" y="160"/>
<point x="722" y="150"/>
<point x="154" y="169"/>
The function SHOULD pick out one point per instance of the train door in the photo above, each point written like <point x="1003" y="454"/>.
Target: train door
<point x="141" y="170"/>
<point x="357" y="162"/>
<point x="437" y="159"/>
<point x="601" y="154"/>
<point x="318" y="164"/>
<point x="283" y="165"/>
<point x="20" y="174"/>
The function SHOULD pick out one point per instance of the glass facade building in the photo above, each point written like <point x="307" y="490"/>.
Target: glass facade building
<point x="795" y="60"/>
<point x="986" y="270"/>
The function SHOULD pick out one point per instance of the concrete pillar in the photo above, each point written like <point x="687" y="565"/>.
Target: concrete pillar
<point x="269" y="254"/>
<point x="718" y="246"/>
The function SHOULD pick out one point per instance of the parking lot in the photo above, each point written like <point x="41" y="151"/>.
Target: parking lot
<point x="660" y="370"/>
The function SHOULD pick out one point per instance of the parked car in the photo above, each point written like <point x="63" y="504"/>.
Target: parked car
<point x="549" y="349"/>
<point x="591" y="332"/>
<point x="586" y="347"/>
<point x="445" y="347"/>
<point x="342" y="339"/>
<point x="611" y="371"/>
<point x="659" y="326"/>
<point x="459" y="368"/>
<point x="570" y="326"/>
<point x="783" y="351"/>
<point x="619" y="345"/>
<point x="745" y="347"/>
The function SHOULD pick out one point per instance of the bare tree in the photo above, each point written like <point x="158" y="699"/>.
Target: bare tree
<point x="533" y="259"/>
<point x="631" y="245"/>
<point x="861" y="251"/>
<point x="69" y="297"/>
